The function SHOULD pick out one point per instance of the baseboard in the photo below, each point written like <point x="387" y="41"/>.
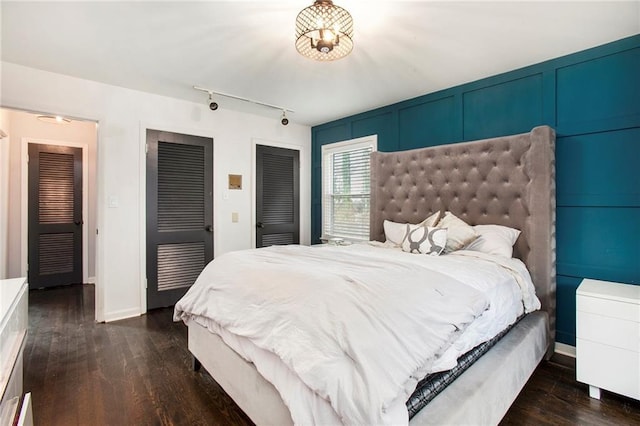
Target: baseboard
<point x="564" y="349"/>
<point x="122" y="314"/>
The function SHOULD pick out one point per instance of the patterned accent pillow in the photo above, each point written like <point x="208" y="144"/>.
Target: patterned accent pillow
<point x="396" y="233"/>
<point x="424" y="240"/>
<point x="459" y="234"/>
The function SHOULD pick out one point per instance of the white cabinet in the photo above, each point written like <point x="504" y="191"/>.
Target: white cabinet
<point x="13" y="332"/>
<point x="608" y="337"/>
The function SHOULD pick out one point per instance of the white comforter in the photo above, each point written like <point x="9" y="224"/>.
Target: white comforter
<point x="358" y="326"/>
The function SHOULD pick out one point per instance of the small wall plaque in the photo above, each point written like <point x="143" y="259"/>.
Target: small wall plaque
<point x="235" y="181"/>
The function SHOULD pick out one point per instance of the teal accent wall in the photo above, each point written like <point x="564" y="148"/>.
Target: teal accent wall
<point x="592" y="100"/>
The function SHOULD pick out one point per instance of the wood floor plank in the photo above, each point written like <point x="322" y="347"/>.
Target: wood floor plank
<point x="138" y="372"/>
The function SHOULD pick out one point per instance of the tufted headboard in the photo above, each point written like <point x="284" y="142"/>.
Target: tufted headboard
<point x="507" y="181"/>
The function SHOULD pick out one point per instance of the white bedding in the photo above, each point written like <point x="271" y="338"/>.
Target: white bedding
<point x="351" y="338"/>
<point x="507" y="302"/>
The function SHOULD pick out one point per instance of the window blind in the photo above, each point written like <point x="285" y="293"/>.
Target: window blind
<point x="346" y="188"/>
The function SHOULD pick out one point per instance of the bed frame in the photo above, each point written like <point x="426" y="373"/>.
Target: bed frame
<point x="508" y="181"/>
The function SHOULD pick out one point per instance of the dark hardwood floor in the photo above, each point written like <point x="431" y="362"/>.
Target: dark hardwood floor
<point x="131" y="372"/>
<point x="553" y="397"/>
<point x="138" y="372"/>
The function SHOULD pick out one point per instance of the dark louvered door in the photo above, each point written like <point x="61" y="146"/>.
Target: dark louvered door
<point x="277" y="196"/>
<point x="55" y="215"/>
<point x="179" y="213"/>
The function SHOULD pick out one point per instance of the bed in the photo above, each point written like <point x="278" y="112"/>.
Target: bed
<point x="506" y="181"/>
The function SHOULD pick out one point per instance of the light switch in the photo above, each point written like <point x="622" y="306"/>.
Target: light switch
<point x="113" y="202"/>
<point x="234" y="217"/>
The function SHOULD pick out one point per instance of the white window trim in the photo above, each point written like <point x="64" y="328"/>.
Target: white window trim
<point x="336" y="147"/>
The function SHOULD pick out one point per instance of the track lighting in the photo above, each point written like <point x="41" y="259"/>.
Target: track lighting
<point x="214" y="105"/>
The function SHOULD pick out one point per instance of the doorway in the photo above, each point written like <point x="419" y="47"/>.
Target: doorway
<point x="31" y="128"/>
<point x="277" y="196"/>
<point x="179" y="213"/>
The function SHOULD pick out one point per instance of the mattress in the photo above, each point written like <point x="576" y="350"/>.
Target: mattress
<point x="434" y="383"/>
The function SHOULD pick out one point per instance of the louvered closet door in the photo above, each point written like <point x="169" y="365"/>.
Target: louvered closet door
<point x="277" y="196"/>
<point x="55" y="215"/>
<point x="179" y="213"/>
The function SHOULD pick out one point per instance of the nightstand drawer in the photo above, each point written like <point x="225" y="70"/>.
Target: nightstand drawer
<point x="609" y="308"/>
<point x="606" y="367"/>
<point x="609" y="331"/>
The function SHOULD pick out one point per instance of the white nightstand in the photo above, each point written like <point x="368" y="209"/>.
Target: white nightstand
<point x="608" y="337"/>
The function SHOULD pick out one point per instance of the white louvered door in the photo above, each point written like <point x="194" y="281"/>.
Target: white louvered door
<point x="179" y="213"/>
<point x="55" y="215"/>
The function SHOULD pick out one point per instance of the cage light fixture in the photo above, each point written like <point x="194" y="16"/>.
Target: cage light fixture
<point x="324" y="31"/>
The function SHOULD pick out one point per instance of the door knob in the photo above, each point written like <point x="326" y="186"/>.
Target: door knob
<point x="208" y="228"/>
<point x="78" y="222"/>
<point x="260" y="225"/>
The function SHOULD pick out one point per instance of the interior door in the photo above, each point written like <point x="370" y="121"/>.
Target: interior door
<point x="179" y="213"/>
<point x="55" y="215"/>
<point x="277" y="196"/>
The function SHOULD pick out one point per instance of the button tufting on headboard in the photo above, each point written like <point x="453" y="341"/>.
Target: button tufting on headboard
<point x="507" y="181"/>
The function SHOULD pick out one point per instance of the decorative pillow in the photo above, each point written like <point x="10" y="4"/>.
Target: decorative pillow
<point x="431" y="220"/>
<point x="397" y="232"/>
<point x="424" y="240"/>
<point x="459" y="234"/>
<point x="494" y="239"/>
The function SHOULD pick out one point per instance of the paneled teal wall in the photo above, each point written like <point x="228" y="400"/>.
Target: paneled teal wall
<point x="592" y="99"/>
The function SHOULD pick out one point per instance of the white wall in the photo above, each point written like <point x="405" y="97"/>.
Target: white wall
<point x="26" y="127"/>
<point x="4" y="194"/>
<point x="123" y="115"/>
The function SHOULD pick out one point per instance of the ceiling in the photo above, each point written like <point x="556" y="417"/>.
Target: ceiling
<point x="402" y="49"/>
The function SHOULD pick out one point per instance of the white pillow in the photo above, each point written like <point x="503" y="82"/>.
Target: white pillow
<point x="424" y="240"/>
<point x="494" y="239"/>
<point x="395" y="232"/>
<point x="459" y="234"/>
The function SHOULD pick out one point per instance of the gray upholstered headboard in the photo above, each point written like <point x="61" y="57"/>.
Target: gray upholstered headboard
<point x="507" y="181"/>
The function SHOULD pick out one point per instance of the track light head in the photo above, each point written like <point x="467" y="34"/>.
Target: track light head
<point x="212" y="105"/>
<point x="284" y="119"/>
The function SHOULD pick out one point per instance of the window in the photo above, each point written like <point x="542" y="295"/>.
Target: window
<point x="346" y="188"/>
